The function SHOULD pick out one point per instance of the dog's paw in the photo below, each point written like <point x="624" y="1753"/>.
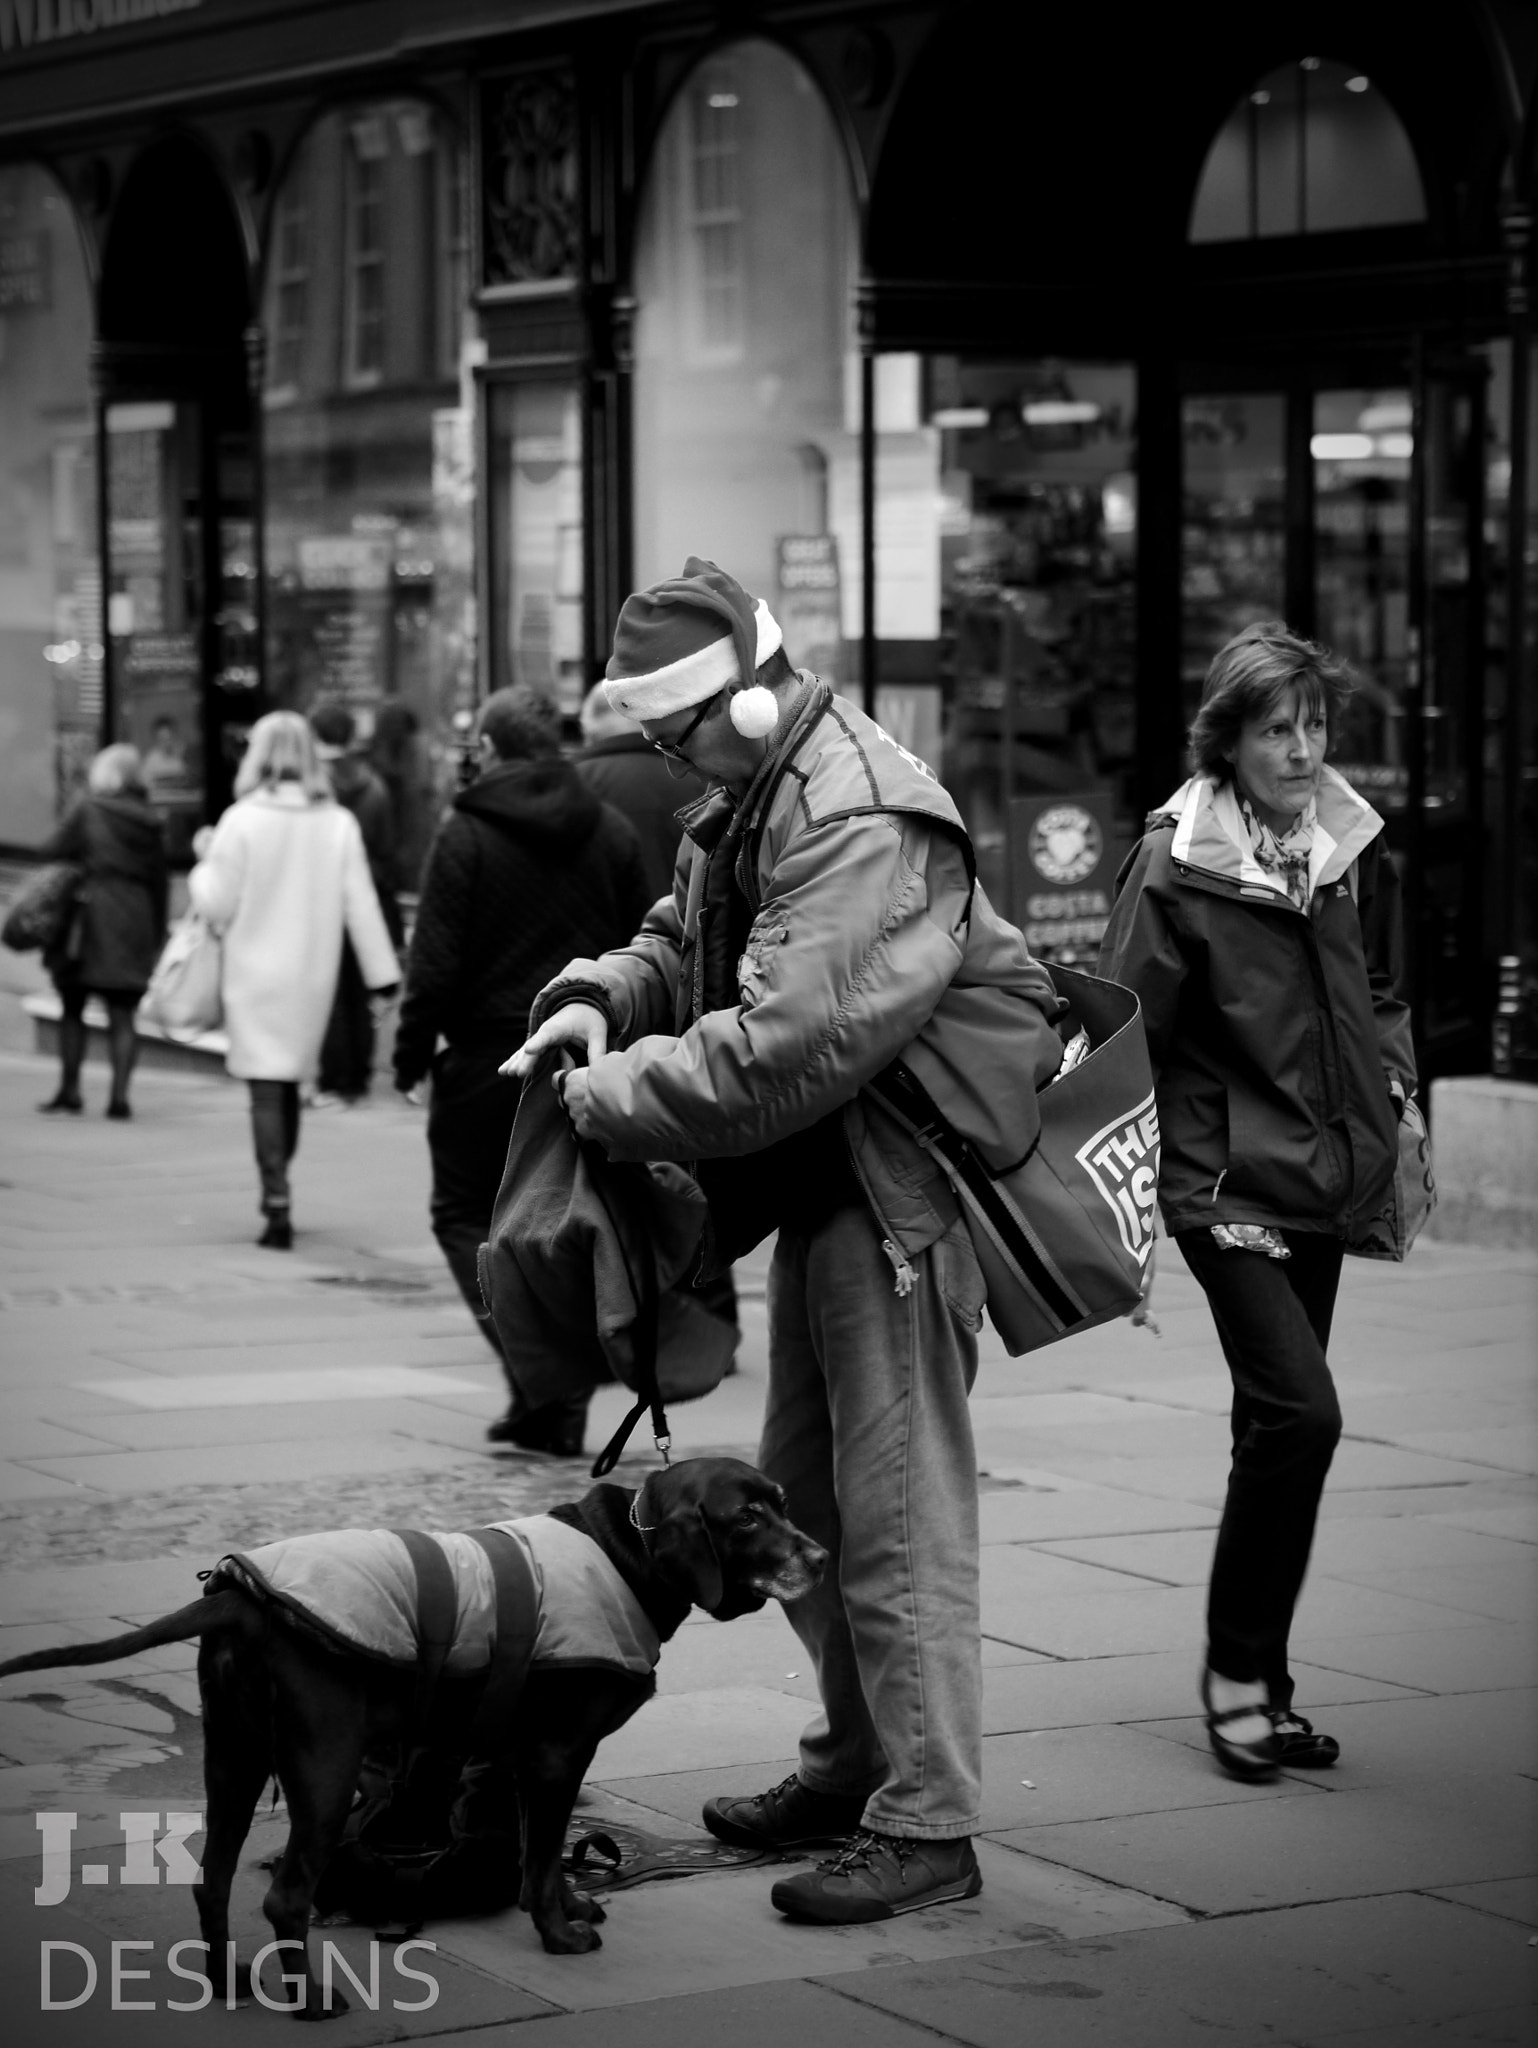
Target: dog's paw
<point x="580" y="1907"/>
<point x="316" y="2011"/>
<point x="576" y="1938"/>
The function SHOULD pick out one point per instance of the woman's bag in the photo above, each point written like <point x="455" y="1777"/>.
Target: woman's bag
<point x="1063" y="1237"/>
<point x="43" y="913"/>
<point x="185" y="993"/>
<point x="1409" y="1202"/>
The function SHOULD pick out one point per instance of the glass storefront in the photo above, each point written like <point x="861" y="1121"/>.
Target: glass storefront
<point x="744" y="272"/>
<point x="50" y="582"/>
<point x="536" y="539"/>
<point x="368" y="475"/>
<point x="1031" y="503"/>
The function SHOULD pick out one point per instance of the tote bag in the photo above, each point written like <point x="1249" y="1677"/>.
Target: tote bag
<point x="184" y="996"/>
<point x="1409" y="1202"/>
<point x="1064" y="1236"/>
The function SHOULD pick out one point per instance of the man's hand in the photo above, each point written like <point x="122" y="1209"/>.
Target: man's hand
<point x="583" y="1026"/>
<point x="572" y="1087"/>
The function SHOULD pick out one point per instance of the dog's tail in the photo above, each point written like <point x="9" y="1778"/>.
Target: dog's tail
<point x="213" y="1610"/>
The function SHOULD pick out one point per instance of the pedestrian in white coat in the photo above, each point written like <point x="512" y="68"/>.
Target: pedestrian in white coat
<point x="281" y="877"/>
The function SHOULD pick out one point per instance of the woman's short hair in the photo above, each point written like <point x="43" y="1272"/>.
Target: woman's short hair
<point x="1247" y="677"/>
<point x="115" y="770"/>
<point x="521" y="725"/>
<point x="281" y="748"/>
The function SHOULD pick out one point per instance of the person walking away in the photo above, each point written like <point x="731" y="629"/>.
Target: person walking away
<point x="347" y="1050"/>
<point x="283" y="876"/>
<point x="112" y="942"/>
<point x="399" y="756"/>
<point x="826" y="923"/>
<point x="625" y="770"/>
<point x="1258" y="921"/>
<point x="527" y="862"/>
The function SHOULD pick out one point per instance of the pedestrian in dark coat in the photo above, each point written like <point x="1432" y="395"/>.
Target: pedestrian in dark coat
<point x="526" y="864"/>
<point x="114" y="939"/>
<point x="623" y="767"/>
<point x="1258" y="921"/>
<point x="347" y="1051"/>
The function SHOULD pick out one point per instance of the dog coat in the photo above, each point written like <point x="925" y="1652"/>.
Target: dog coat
<point x="358" y="1588"/>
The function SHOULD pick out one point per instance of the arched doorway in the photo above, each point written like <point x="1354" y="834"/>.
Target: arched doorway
<point x="182" y="673"/>
<point x="745" y="443"/>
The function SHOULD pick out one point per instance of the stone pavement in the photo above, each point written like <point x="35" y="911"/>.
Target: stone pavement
<point x="168" y="1391"/>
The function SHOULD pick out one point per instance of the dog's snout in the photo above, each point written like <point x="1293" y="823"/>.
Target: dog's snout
<point x="814" y="1558"/>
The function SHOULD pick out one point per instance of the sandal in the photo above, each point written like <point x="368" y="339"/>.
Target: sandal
<point x="1250" y="1760"/>
<point x="1301" y="1748"/>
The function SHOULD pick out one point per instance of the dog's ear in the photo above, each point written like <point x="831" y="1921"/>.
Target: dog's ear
<point x="684" y="1557"/>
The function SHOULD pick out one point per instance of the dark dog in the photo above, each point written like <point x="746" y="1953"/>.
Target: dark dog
<point x="279" y="1701"/>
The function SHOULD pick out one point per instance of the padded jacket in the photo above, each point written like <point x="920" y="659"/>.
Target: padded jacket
<point x="1277" y="1035"/>
<point x="868" y="939"/>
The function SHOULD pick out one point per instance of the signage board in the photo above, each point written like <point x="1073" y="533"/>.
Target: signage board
<point x="807" y="605"/>
<point x="1063" y="861"/>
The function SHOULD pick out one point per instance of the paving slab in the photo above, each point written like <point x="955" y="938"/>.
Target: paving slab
<point x="1047" y="1776"/>
<point x="108" y="1471"/>
<point x="1292" y="1977"/>
<point x="1156" y="1686"/>
<point x="1473" y="1656"/>
<point x="1343" y="1844"/>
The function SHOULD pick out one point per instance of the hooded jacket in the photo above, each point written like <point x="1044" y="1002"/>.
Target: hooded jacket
<point x="865" y="938"/>
<point x="628" y="772"/>
<point x="526" y="864"/>
<point x="118" y="841"/>
<point x="1277" y="1035"/>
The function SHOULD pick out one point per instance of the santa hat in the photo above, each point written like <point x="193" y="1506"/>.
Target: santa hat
<point x="686" y="640"/>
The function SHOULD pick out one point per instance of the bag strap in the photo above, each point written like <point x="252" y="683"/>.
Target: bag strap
<point x="644" y="1293"/>
<point x="901" y="1093"/>
<point x="437" y="1616"/>
<point x="517" y="1592"/>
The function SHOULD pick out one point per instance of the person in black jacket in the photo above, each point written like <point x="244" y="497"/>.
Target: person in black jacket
<point x="527" y="868"/>
<point x="1258" y="922"/>
<point x="111" y="944"/>
<point x="619" y="764"/>
<point x="347" y="1051"/>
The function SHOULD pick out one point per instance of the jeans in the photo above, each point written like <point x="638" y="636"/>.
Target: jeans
<point x="867" y="1429"/>
<point x="1273" y="1320"/>
<point x="275" y="1134"/>
<point x="468" y="1128"/>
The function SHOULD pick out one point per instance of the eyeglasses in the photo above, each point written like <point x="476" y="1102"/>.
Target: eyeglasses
<point x="673" y="750"/>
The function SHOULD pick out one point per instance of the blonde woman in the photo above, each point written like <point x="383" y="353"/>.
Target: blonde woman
<point x="112" y="943"/>
<point x="282" y="876"/>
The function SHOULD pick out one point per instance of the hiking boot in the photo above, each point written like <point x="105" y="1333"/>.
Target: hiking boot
<point x="874" y="1876"/>
<point x="788" y="1816"/>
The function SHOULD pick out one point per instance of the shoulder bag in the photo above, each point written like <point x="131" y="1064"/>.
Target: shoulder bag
<point x="40" y="918"/>
<point x="1064" y="1236"/>
<point x="185" y="994"/>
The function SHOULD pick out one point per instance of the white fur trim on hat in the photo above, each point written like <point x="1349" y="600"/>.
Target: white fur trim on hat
<point x="683" y="684"/>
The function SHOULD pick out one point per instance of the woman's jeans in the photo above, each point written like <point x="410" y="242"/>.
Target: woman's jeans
<point x="275" y="1134"/>
<point x="867" y="1429"/>
<point x="1273" y="1320"/>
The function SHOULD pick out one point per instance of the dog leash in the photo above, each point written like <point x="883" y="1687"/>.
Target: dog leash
<point x="644" y="1293"/>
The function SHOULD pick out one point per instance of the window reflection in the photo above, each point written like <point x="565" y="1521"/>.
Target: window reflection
<point x="368" y="493"/>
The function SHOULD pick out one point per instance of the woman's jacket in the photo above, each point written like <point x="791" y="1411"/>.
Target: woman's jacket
<point x="121" y="923"/>
<point x="863" y="938"/>
<point x="282" y="880"/>
<point x="1275" y="1033"/>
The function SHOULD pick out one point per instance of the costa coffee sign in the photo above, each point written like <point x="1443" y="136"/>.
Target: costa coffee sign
<point x="34" y="24"/>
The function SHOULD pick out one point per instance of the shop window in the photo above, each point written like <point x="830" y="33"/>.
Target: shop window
<point x="50" y="584"/>
<point x="1017" y="501"/>
<point x="291" y="283"/>
<point x="1233" y="533"/>
<point x="745" y="256"/>
<point x="536" y="540"/>
<point x="366" y="250"/>
<point x="1314" y="147"/>
<point x="369" y="503"/>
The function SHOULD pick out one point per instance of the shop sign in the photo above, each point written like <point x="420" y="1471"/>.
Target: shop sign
<point x="1063" y="866"/>
<point x="807" y="606"/>
<point x="26" y="271"/>
<point x="33" y="24"/>
<point x="167" y="657"/>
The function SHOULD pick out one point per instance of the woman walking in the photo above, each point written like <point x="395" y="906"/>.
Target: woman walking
<point x="112" y="942"/>
<point x="281" y="877"/>
<point x="1259" y="924"/>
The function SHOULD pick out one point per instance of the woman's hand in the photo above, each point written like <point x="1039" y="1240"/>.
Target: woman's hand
<point x="202" y="840"/>
<point x="582" y="1026"/>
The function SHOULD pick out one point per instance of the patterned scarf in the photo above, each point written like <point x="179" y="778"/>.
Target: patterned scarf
<point x="1285" y="855"/>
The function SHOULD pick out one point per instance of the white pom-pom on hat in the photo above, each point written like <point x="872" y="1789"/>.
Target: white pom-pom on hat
<point x="754" y="712"/>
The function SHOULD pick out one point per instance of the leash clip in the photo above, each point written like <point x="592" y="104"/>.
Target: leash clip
<point x="664" y="1445"/>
